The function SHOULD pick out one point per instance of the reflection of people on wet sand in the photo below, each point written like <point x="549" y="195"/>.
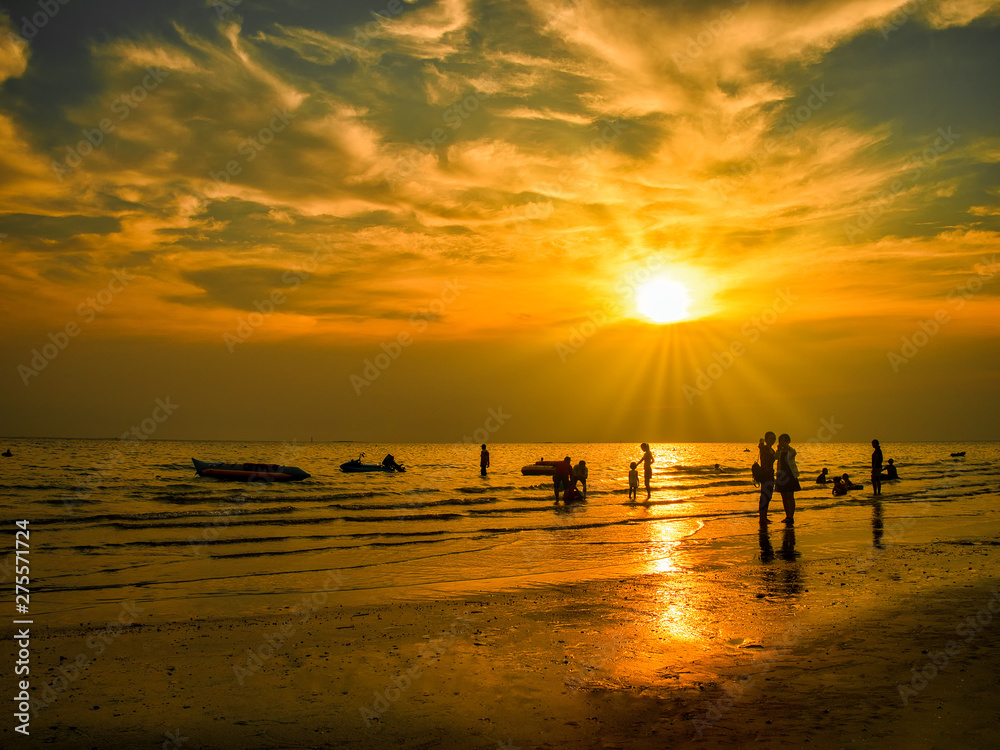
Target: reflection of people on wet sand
<point x="766" y="461"/>
<point x="780" y="580"/>
<point x="877" y="524"/>
<point x="786" y="478"/>
<point x="766" y="550"/>
<point x="647" y="468"/>
<point x="876" y="468"/>
<point x="890" y="472"/>
<point x="788" y="544"/>
<point x="633" y="481"/>
<point x="822" y="478"/>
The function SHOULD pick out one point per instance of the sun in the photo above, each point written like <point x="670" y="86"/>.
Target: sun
<point x="663" y="300"/>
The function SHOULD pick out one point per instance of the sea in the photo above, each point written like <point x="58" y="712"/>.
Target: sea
<point x="112" y="522"/>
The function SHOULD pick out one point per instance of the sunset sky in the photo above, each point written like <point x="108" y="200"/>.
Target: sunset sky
<point x="380" y="221"/>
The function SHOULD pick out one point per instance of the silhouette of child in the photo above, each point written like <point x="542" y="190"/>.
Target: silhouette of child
<point x="633" y="480"/>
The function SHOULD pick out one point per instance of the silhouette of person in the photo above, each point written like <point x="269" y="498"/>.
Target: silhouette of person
<point x="633" y="481"/>
<point x="786" y="481"/>
<point x="390" y="462"/>
<point x="8" y="453"/>
<point x="876" y="468"/>
<point x="561" y="473"/>
<point x="484" y="460"/>
<point x="890" y="471"/>
<point x="848" y="484"/>
<point x="822" y="478"/>
<point x="647" y="468"/>
<point x="580" y="473"/>
<point x="766" y="461"/>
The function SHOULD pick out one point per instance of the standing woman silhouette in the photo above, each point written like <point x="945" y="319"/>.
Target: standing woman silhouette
<point x="876" y="468"/>
<point x="647" y="468"/>
<point x="786" y="478"/>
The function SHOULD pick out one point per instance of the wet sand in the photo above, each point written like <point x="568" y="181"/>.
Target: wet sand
<point x="786" y="652"/>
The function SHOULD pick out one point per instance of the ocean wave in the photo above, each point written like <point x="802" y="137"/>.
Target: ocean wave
<point x="437" y="503"/>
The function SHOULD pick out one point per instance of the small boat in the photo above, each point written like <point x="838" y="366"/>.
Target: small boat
<point x="956" y="455"/>
<point x="248" y="472"/>
<point x="356" y="465"/>
<point x="540" y="468"/>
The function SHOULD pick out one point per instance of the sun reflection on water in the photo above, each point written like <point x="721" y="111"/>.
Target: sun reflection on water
<point x="677" y="617"/>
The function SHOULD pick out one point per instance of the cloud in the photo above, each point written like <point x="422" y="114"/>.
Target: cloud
<point x="13" y="51"/>
<point x="472" y="138"/>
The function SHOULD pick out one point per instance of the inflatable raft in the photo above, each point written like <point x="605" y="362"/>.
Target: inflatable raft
<point x="248" y="472"/>
<point x="539" y="469"/>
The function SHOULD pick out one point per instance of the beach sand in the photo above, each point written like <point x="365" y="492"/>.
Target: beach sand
<point x="789" y="653"/>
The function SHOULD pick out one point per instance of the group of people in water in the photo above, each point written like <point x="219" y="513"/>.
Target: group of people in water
<point x="566" y="477"/>
<point x="843" y="483"/>
<point x="785" y="478"/>
<point x="778" y="471"/>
